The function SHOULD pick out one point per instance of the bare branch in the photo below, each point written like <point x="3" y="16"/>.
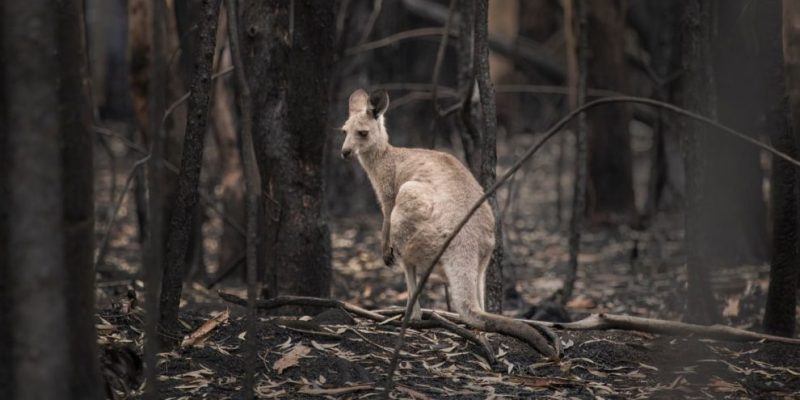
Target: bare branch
<point x="101" y="253"/>
<point x="392" y="39"/>
<point x="376" y="12"/>
<point x="252" y="180"/>
<point x="205" y="198"/>
<point x="440" y="58"/>
<point x="554" y="130"/>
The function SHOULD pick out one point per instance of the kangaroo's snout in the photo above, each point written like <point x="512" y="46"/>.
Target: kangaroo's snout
<point x="346" y="153"/>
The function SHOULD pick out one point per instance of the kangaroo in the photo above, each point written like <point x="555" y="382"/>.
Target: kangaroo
<point x="423" y="195"/>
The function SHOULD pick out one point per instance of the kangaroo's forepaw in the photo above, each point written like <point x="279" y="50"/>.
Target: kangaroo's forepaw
<point x="388" y="256"/>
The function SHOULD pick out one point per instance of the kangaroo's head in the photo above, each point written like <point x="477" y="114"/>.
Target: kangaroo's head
<point x="364" y="129"/>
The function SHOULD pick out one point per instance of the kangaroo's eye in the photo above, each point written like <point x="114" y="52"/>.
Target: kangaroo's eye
<point x="363" y="134"/>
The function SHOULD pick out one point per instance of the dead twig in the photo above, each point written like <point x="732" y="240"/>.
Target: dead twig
<point x="226" y="270"/>
<point x="391" y="39"/>
<point x="267" y="304"/>
<point x="101" y="253"/>
<point x="377" y="5"/>
<point x="663" y="327"/>
<point x="204" y="197"/>
<point x="253" y="184"/>
<point x="437" y="67"/>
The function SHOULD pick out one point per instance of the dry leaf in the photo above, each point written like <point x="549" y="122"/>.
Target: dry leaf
<point x="334" y="391"/>
<point x="291" y="358"/>
<point x="198" y="336"/>
<point x="724" y="387"/>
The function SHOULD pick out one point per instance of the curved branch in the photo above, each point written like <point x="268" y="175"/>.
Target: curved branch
<point x="554" y="130"/>
<point x="391" y="39"/>
<point x="437" y="67"/>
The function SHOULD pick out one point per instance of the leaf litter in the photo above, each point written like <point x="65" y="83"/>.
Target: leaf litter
<point x="611" y="364"/>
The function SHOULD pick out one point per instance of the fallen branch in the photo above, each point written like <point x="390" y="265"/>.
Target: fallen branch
<point x="663" y="327"/>
<point x="280" y="301"/>
<point x="434" y="321"/>
<point x="600" y="322"/>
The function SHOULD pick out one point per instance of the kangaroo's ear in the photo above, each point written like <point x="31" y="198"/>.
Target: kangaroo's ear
<point x="359" y="101"/>
<point x="378" y="102"/>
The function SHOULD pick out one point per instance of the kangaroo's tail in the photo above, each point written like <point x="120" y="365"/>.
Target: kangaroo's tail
<point x="489" y="322"/>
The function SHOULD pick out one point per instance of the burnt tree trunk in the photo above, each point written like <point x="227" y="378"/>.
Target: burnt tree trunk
<point x="223" y="116"/>
<point x="6" y="370"/>
<point x="288" y="73"/>
<point x="610" y="191"/>
<point x="697" y="93"/>
<point x="658" y="24"/>
<point x="40" y="356"/>
<point x="469" y="133"/>
<point x="77" y="176"/>
<point x="488" y="150"/>
<point x="140" y="58"/>
<point x="780" y="311"/>
<point x="579" y="11"/>
<point x="154" y="248"/>
<point x="180" y="230"/>
<point x="244" y="100"/>
<point x="738" y="222"/>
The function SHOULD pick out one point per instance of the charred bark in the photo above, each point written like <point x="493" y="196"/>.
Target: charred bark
<point x="697" y="93"/>
<point x="77" y="176"/>
<point x="154" y="249"/>
<point x="610" y="194"/>
<point x="580" y="11"/>
<point x="185" y="203"/>
<point x="470" y="135"/>
<point x="488" y="150"/>
<point x="253" y="190"/>
<point x="738" y="222"/>
<point x="35" y="220"/>
<point x="780" y="311"/>
<point x="223" y="116"/>
<point x="6" y="370"/>
<point x="288" y="73"/>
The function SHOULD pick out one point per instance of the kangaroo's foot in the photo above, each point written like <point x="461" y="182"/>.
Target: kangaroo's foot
<point x="416" y="311"/>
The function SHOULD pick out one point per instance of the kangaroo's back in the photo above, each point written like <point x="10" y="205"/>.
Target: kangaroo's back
<point x="444" y="184"/>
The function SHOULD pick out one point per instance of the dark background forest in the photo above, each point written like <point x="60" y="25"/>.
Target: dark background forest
<point x="176" y="220"/>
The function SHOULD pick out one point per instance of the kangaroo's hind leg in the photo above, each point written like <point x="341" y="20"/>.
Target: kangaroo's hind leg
<point x="412" y="234"/>
<point x="411" y="284"/>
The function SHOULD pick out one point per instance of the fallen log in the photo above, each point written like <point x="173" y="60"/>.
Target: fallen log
<point x="602" y="321"/>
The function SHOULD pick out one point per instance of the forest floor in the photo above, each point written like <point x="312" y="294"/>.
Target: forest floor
<point x="332" y="355"/>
